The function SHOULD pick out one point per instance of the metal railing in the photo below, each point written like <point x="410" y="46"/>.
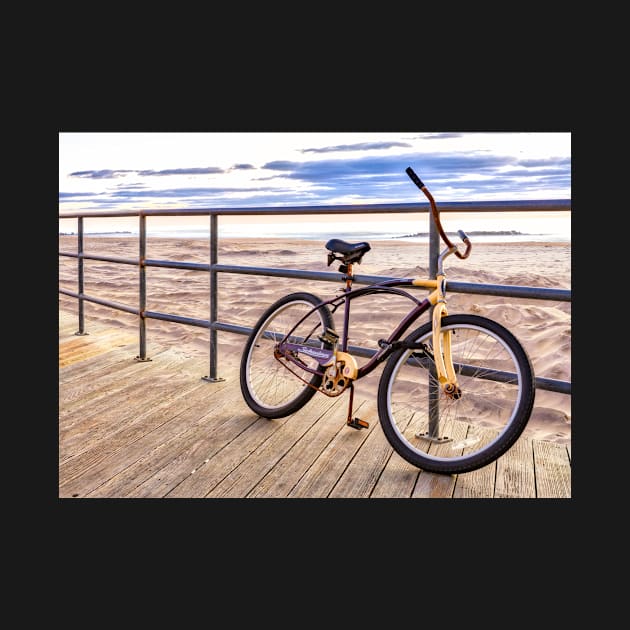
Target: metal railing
<point x="213" y="268"/>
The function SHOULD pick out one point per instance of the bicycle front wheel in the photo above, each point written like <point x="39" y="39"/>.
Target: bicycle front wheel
<point x="269" y="388"/>
<point x="450" y="434"/>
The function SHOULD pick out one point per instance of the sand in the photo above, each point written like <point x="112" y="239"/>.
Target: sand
<point x="542" y="326"/>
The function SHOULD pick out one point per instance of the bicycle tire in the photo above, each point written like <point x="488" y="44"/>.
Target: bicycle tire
<point x="438" y="433"/>
<point x="270" y="389"/>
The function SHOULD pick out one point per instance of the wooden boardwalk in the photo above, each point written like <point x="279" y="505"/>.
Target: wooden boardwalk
<point x="156" y="429"/>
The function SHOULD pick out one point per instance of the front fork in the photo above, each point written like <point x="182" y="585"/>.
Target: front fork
<point x="442" y="342"/>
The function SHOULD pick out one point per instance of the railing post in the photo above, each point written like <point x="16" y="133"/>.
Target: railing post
<point x="81" y="330"/>
<point x="434" y="387"/>
<point x="214" y="249"/>
<point x="142" y="254"/>
<point x="434" y="248"/>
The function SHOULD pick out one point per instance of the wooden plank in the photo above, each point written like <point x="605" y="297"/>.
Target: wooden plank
<point x="398" y="477"/>
<point x="82" y="348"/>
<point x="432" y="485"/>
<point x="397" y="480"/>
<point x="155" y="429"/>
<point x="180" y="458"/>
<point x="244" y="477"/>
<point x="553" y="470"/>
<point x="123" y="393"/>
<point x="79" y="429"/>
<point x="211" y="471"/>
<point x="96" y="467"/>
<point x="158" y="460"/>
<point x="81" y="398"/>
<point x="118" y="337"/>
<point x="90" y="385"/>
<point x="95" y="456"/>
<point x="515" y="472"/>
<point x="365" y="468"/>
<point x="322" y="475"/>
<point x="284" y="476"/>
<point x="478" y="484"/>
<point x="91" y="369"/>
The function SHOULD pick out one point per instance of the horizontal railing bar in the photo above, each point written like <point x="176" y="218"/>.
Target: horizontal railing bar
<point x="177" y="264"/>
<point x="178" y="319"/>
<point x="114" y="259"/>
<point x="508" y="290"/>
<point x="87" y="298"/>
<point x="548" y="384"/>
<point x="231" y="328"/>
<point x="553" y="385"/>
<point x="135" y="261"/>
<point x="541" y="383"/>
<point x="540" y="293"/>
<point x="380" y="208"/>
<point x="326" y="276"/>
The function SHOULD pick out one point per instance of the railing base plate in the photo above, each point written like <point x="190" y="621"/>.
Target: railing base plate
<point x="212" y="380"/>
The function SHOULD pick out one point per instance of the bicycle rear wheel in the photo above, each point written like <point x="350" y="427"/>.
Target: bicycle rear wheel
<point x="268" y="387"/>
<point x="443" y="434"/>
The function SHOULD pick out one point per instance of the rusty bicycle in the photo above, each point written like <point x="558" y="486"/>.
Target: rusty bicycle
<point x="455" y="393"/>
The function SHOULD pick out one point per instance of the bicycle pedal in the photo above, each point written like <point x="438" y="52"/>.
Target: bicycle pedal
<point x="357" y="423"/>
<point x="330" y="336"/>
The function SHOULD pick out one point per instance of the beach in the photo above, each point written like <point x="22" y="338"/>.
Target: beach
<point x="542" y="326"/>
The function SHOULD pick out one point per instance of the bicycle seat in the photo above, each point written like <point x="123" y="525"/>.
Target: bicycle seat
<point x="351" y="252"/>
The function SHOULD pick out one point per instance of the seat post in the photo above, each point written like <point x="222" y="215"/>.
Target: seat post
<point x="347" y="270"/>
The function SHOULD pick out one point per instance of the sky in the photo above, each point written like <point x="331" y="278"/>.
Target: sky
<point x="139" y="171"/>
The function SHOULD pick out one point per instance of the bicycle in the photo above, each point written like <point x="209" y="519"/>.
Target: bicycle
<point x="455" y="394"/>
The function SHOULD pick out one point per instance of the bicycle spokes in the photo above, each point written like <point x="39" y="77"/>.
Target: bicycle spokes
<point x="445" y="431"/>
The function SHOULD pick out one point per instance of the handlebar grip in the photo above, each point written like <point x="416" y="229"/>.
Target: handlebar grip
<point x="468" y="244"/>
<point x="414" y="178"/>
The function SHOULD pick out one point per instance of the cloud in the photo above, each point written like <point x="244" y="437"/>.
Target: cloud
<point x="137" y="186"/>
<point x="111" y="174"/>
<point x="77" y="195"/>
<point x="550" y="161"/>
<point x="360" y="146"/>
<point x="103" y="174"/>
<point x="373" y="178"/>
<point x="438" y="136"/>
<point x="178" y="192"/>
<point x="362" y="179"/>
<point x="205" y="170"/>
<point x="425" y="164"/>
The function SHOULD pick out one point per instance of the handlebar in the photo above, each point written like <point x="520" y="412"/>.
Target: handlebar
<point x="436" y="217"/>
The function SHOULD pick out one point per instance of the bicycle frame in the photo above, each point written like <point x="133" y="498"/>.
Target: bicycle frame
<point x="289" y="350"/>
<point x="437" y="298"/>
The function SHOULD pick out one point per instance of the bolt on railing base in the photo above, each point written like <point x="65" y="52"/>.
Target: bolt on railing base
<point x="209" y="379"/>
<point x="139" y="359"/>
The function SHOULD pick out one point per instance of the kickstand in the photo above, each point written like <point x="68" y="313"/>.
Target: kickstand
<point x="355" y="423"/>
